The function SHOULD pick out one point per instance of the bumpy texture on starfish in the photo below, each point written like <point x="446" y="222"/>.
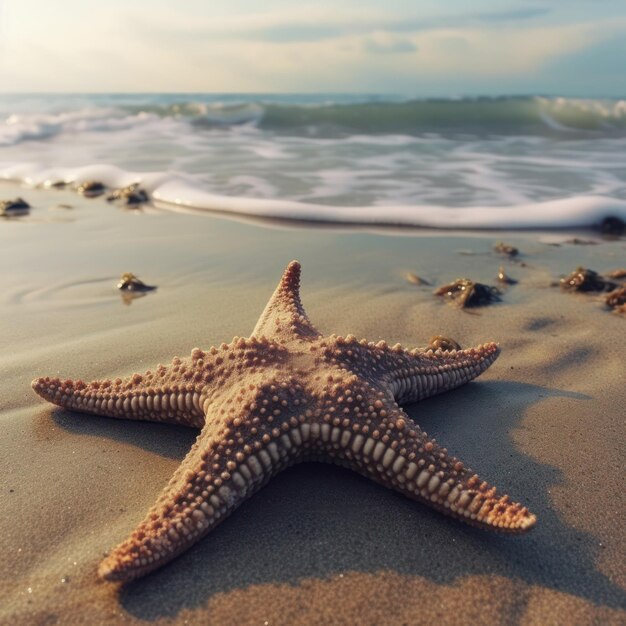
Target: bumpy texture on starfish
<point x="285" y="395"/>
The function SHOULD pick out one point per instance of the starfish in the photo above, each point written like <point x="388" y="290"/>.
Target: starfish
<point x="284" y="395"/>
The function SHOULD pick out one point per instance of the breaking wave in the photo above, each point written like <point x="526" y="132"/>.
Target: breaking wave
<point x="508" y="115"/>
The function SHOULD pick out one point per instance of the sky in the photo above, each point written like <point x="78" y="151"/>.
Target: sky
<point x="417" y="47"/>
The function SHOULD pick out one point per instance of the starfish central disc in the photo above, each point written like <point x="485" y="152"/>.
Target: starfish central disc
<point x="288" y="394"/>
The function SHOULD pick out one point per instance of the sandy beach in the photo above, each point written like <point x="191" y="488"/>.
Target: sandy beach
<point x="319" y="544"/>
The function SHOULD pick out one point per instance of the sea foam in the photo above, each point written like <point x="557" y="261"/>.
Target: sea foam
<point x="178" y="190"/>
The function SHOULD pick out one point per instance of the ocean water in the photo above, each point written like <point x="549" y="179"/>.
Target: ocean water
<point x="527" y="162"/>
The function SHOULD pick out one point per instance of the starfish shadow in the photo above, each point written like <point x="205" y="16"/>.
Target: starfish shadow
<point x="315" y="521"/>
<point x="167" y="440"/>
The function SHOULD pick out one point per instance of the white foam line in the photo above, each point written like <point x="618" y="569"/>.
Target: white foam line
<point x="579" y="211"/>
<point x="183" y="191"/>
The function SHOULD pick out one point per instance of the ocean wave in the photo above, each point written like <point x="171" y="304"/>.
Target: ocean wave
<point x="524" y="115"/>
<point x="18" y="128"/>
<point x="482" y="116"/>
<point x="176" y="190"/>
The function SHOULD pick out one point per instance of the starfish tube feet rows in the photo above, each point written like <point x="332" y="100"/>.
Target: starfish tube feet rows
<point x="285" y="395"/>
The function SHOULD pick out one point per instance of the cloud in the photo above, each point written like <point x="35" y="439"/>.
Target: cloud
<point x="500" y="51"/>
<point x="287" y="33"/>
<point x="388" y="43"/>
<point x="513" y="15"/>
<point x="320" y="23"/>
<point x="330" y="24"/>
<point x="314" y="49"/>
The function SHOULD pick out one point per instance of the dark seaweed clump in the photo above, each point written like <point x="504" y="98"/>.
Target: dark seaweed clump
<point x="9" y="208"/>
<point x="466" y="293"/>
<point x="91" y="188"/>
<point x="616" y="298"/>
<point x="130" y="282"/>
<point x="583" y="279"/>
<point x="613" y="226"/>
<point x="131" y="195"/>
<point x="618" y="273"/>
<point x="505" y="249"/>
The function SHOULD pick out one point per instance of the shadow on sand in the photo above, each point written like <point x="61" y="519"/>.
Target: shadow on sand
<point x="315" y="520"/>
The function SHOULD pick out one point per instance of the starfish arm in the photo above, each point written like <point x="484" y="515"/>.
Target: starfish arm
<point x="248" y="438"/>
<point x="284" y="316"/>
<point x="196" y="499"/>
<point x="390" y="448"/>
<point x="417" y="374"/>
<point x="175" y="393"/>
<point x="408" y="375"/>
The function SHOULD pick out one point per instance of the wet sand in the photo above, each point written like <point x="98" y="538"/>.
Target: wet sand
<point x="319" y="544"/>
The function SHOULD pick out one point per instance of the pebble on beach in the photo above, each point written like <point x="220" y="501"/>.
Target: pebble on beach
<point x="504" y="278"/>
<point x="414" y="279"/>
<point x="439" y="342"/>
<point x="55" y="184"/>
<point x="577" y="241"/>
